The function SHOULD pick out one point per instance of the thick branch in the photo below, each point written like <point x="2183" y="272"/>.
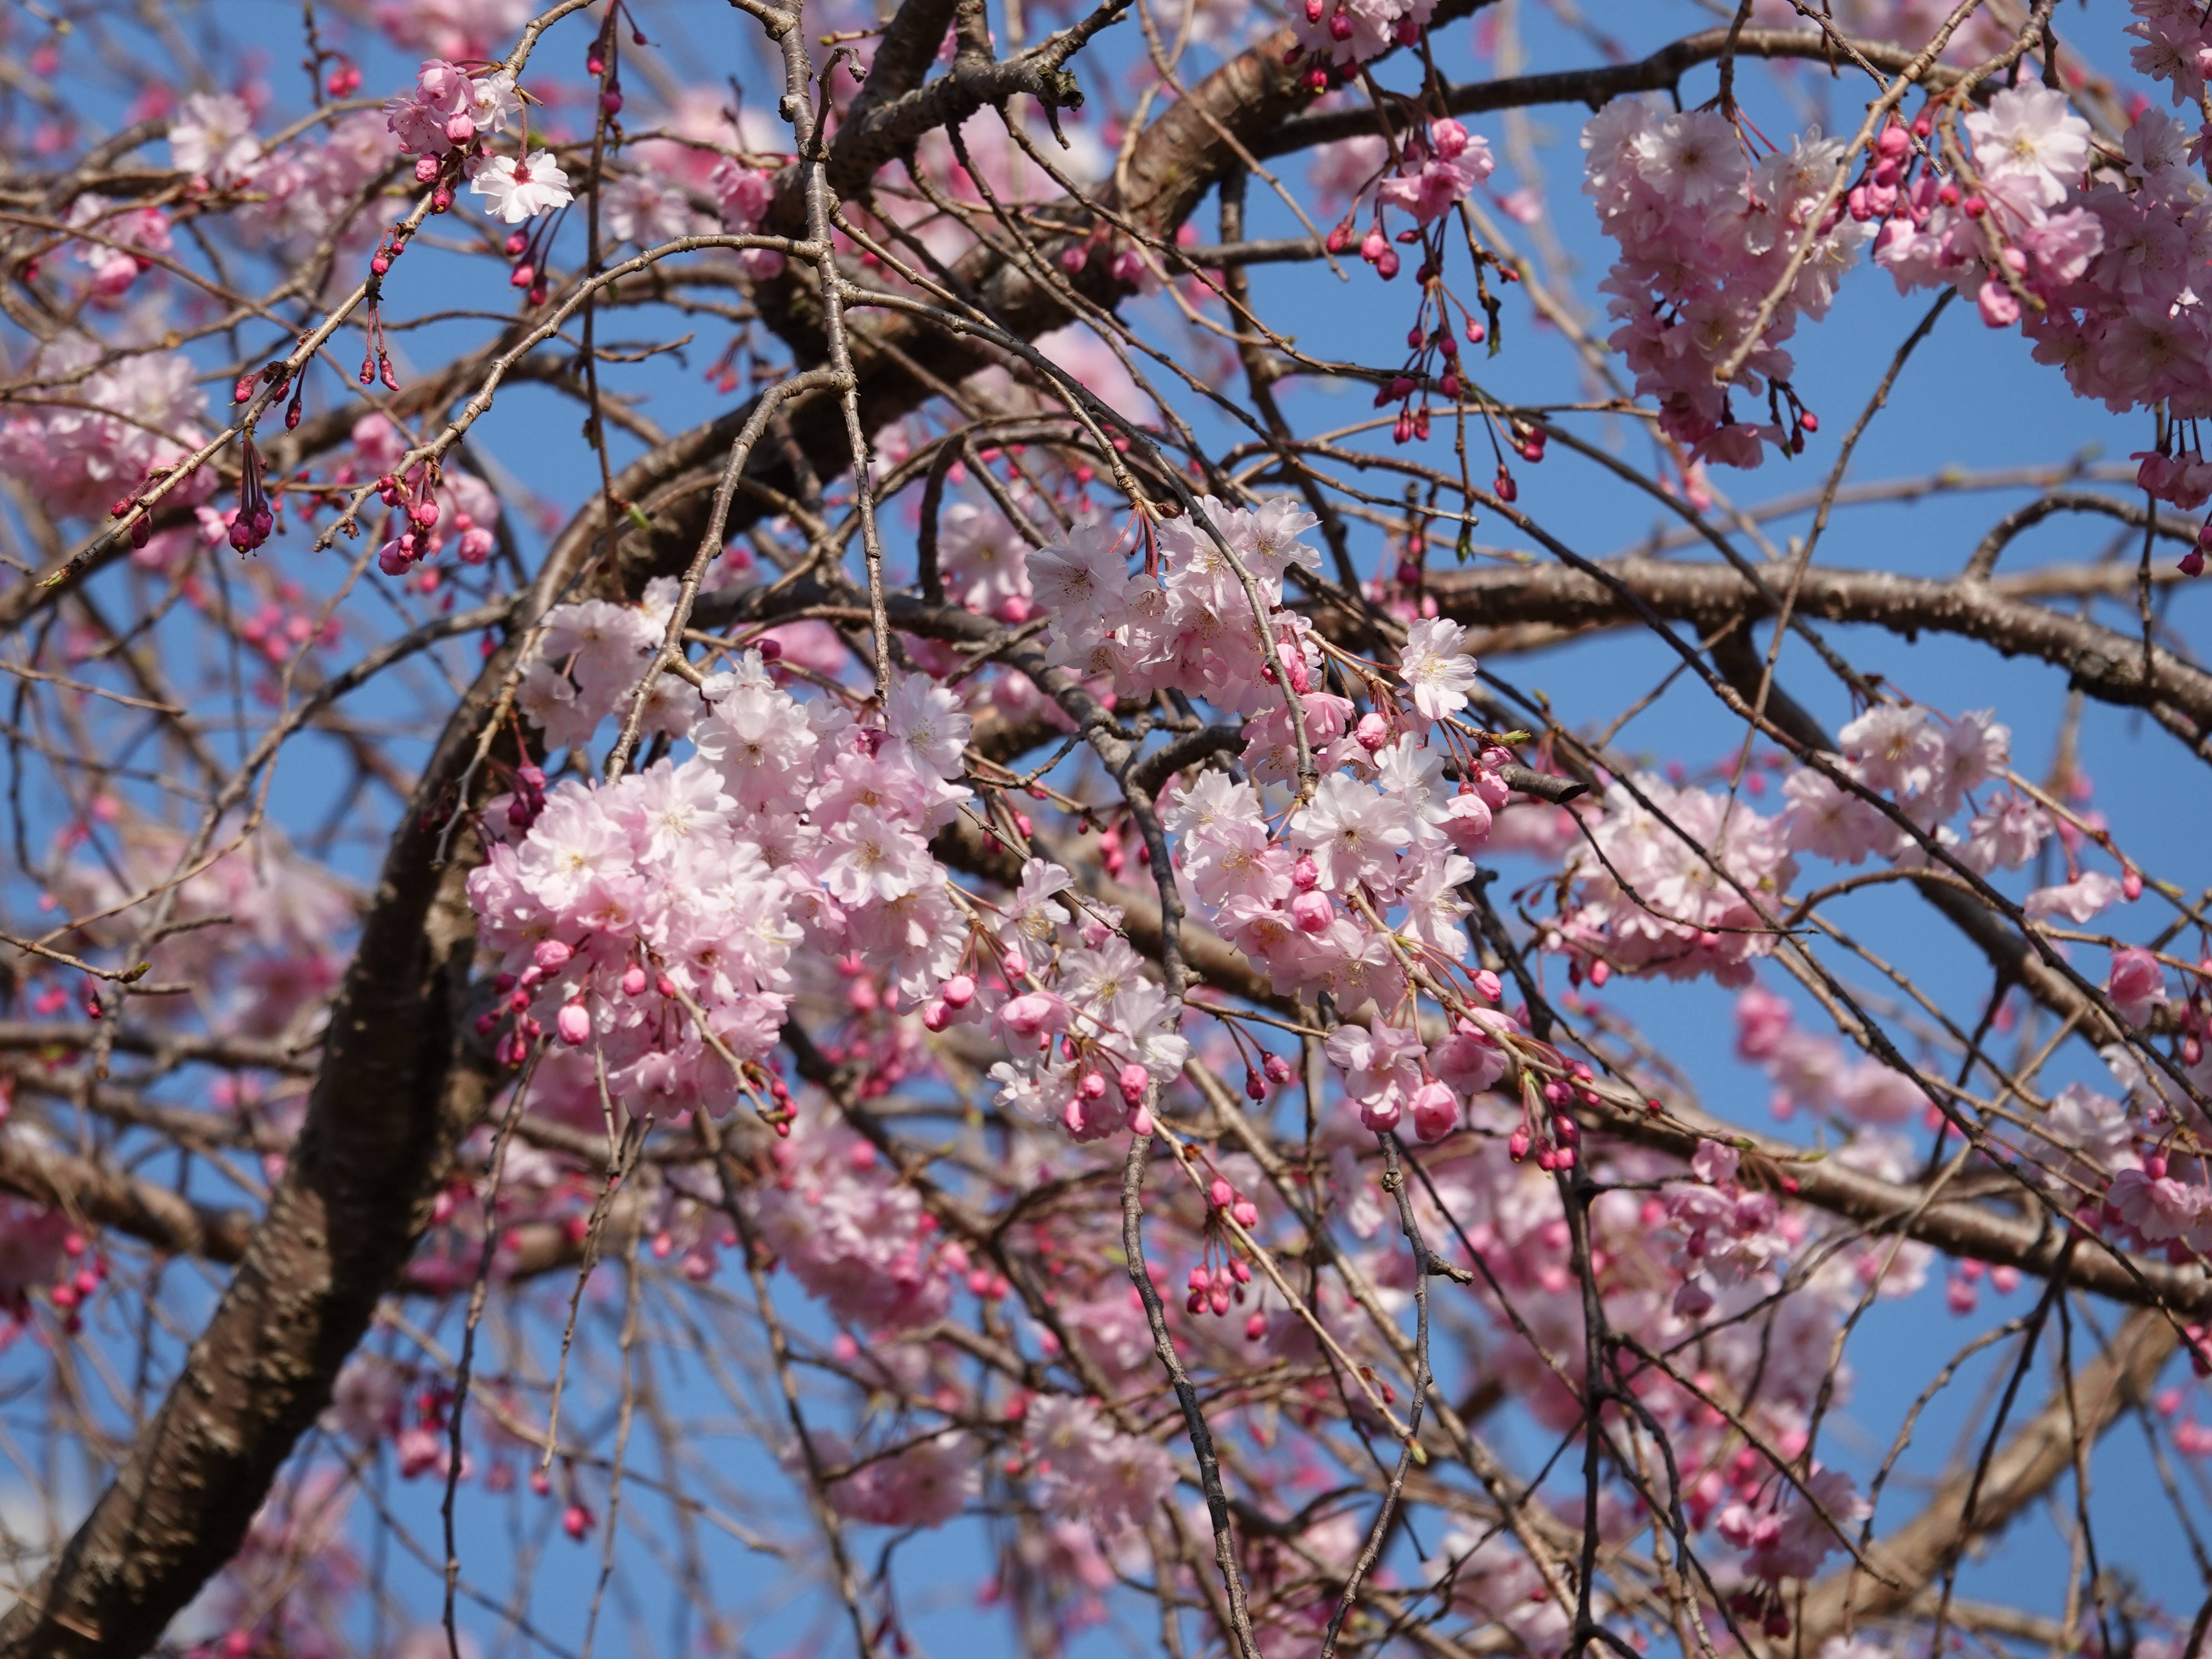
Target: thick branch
<point x="91" y="1191"/>
<point x="1661" y="72"/>
<point x="2108" y="665"/>
<point x="1958" y="1227"/>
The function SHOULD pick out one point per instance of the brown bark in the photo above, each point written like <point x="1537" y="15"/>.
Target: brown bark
<point x="2108" y="665"/>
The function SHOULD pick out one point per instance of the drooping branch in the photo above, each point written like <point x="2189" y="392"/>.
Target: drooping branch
<point x="2038" y="1453"/>
<point x="395" y="1091"/>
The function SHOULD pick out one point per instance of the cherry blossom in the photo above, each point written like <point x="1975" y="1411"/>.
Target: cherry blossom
<point x="517" y="188"/>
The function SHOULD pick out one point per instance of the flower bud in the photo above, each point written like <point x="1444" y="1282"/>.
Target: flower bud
<point x="1436" y="1111"/>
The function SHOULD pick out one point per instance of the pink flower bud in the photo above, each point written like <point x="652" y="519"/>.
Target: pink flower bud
<point x="632" y="983"/>
<point x="460" y="130"/>
<point x="959" y="991"/>
<point x="1372" y="732"/>
<point x="1312" y="913"/>
<point x="935" y="1016"/>
<point x="552" y="955"/>
<point x="575" y="1024"/>
<point x="1305" y="874"/>
<point x="1036" y="1013"/>
<point x="1380" y="1114"/>
<point x="1135" y="1081"/>
<point x="1996" y="302"/>
<point x="1436" y="1111"/>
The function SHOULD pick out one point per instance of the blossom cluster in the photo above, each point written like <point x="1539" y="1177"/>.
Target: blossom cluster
<point x="116" y="421"/>
<point x="1685" y="881"/>
<point x="1705" y="234"/>
<point x="450" y="113"/>
<point x="1345" y="33"/>
<point x="651" y="920"/>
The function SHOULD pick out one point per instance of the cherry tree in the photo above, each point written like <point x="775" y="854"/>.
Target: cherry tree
<point x="787" y="871"/>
